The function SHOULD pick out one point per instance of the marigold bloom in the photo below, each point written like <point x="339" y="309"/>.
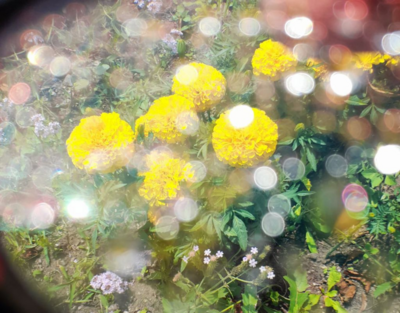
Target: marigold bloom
<point x="318" y="67"/>
<point x="248" y="146"/>
<point x="273" y="60"/>
<point x="200" y="83"/>
<point x="366" y="60"/>
<point x="101" y="143"/>
<point x="162" y="181"/>
<point x="162" y="118"/>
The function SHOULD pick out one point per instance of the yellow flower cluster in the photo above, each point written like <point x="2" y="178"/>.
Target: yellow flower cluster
<point x="366" y="60"/>
<point x="248" y="146"/>
<point x="101" y="143"/>
<point x="318" y="67"/>
<point x="200" y="83"/>
<point x="162" y="181"/>
<point x="273" y="60"/>
<point x="164" y="119"/>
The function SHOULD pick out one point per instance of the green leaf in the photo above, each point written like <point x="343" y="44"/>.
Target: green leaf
<point x="381" y="289"/>
<point x="300" y="276"/>
<point x="334" y="277"/>
<point x="390" y="180"/>
<point x="335" y="305"/>
<point x="249" y="299"/>
<point x="354" y="100"/>
<point x="246" y="204"/>
<point x="104" y="301"/>
<point x="312" y="300"/>
<point x="240" y="228"/>
<point x="311" y="158"/>
<point x="245" y="214"/>
<point x="311" y="243"/>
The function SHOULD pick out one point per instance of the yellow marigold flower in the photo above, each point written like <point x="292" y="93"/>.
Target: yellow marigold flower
<point x="200" y="83"/>
<point x="273" y="60"/>
<point x="164" y="119"/>
<point x="318" y="67"/>
<point x="248" y="146"/>
<point x="162" y="181"/>
<point x="366" y="60"/>
<point x="101" y="143"/>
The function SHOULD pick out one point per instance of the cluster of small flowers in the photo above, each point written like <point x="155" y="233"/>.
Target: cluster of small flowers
<point x="191" y="254"/>
<point x="44" y="131"/>
<point x="109" y="283"/>
<point x="253" y="262"/>
<point x="212" y="258"/>
<point x="5" y="102"/>
<point x="171" y="39"/>
<point x="153" y="6"/>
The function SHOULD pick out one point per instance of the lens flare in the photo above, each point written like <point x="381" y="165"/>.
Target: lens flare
<point x="186" y="74"/>
<point x="299" y="27"/>
<point x="293" y="168"/>
<point x="195" y="171"/>
<point x="279" y="204"/>
<point x="60" y="66"/>
<point x="186" y="209"/>
<point x="241" y="116"/>
<point x="40" y="56"/>
<point x="42" y="216"/>
<point x="19" y="93"/>
<point x="391" y="43"/>
<point x="354" y="198"/>
<point x="135" y="27"/>
<point x="210" y="26"/>
<point x="167" y="227"/>
<point x="341" y="84"/>
<point x="77" y="209"/>
<point x="300" y="84"/>
<point x="387" y="159"/>
<point x="336" y="165"/>
<point x="273" y="224"/>
<point x="249" y="26"/>
<point x="265" y="178"/>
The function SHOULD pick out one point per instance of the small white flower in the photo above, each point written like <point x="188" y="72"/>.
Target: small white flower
<point x="254" y="250"/>
<point x="185" y="259"/>
<point x="262" y="269"/>
<point x="271" y="275"/>
<point x="196" y="248"/>
<point x="206" y="260"/>
<point x="207" y="252"/>
<point x="219" y="254"/>
<point x="253" y="263"/>
<point x="245" y="259"/>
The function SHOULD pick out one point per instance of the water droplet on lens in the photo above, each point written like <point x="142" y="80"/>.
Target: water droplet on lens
<point x="167" y="227"/>
<point x="60" y="66"/>
<point x="23" y="117"/>
<point x="249" y="26"/>
<point x="42" y="216"/>
<point x="336" y="165"/>
<point x="293" y="168"/>
<point x="7" y="133"/>
<point x="186" y="209"/>
<point x="265" y="178"/>
<point x="195" y="171"/>
<point x="210" y="26"/>
<point x="273" y="224"/>
<point x="279" y="204"/>
<point x="21" y="167"/>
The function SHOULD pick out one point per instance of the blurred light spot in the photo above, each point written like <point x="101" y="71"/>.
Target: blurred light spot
<point x="279" y="204"/>
<point x="300" y="84"/>
<point x="210" y="26"/>
<point x="42" y="216"/>
<point x="325" y="121"/>
<point x="341" y="84"/>
<point x="135" y="27"/>
<point x="299" y="27"/>
<point x="273" y="224"/>
<point x="21" y="167"/>
<point x="359" y="128"/>
<point x="338" y="54"/>
<point x="391" y="43"/>
<point x="19" y="93"/>
<point x="354" y="155"/>
<point x="241" y="116"/>
<point x="303" y="51"/>
<point x="265" y="178"/>
<point x="336" y="165"/>
<point x="187" y="123"/>
<point x="195" y="171"/>
<point x="138" y="162"/>
<point x="391" y="119"/>
<point x="30" y="38"/>
<point x="186" y="209"/>
<point x="54" y="20"/>
<point x="167" y="227"/>
<point x="60" y="66"/>
<point x="354" y="198"/>
<point x="356" y="10"/>
<point x="77" y="209"/>
<point x="293" y="168"/>
<point x="23" y="117"/>
<point x="14" y="214"/>
<point x="126" y="12"/>
<point x="121" y="78"/>
<point x="42" y="177"/>
<point x="127" y="262"/>
<point x="40" y="56"/>
<point x="387" y="159"/>
<point x="7" y="133"/>
<point x="249" y="26"/>
<point x="351" y="29"/>
<point x="186" y="74"/>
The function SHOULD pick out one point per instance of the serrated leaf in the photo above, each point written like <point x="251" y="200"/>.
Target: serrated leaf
<point x="240" y="228"/>
<point x="249" y="299"/>
<point x="311" y="158"/>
